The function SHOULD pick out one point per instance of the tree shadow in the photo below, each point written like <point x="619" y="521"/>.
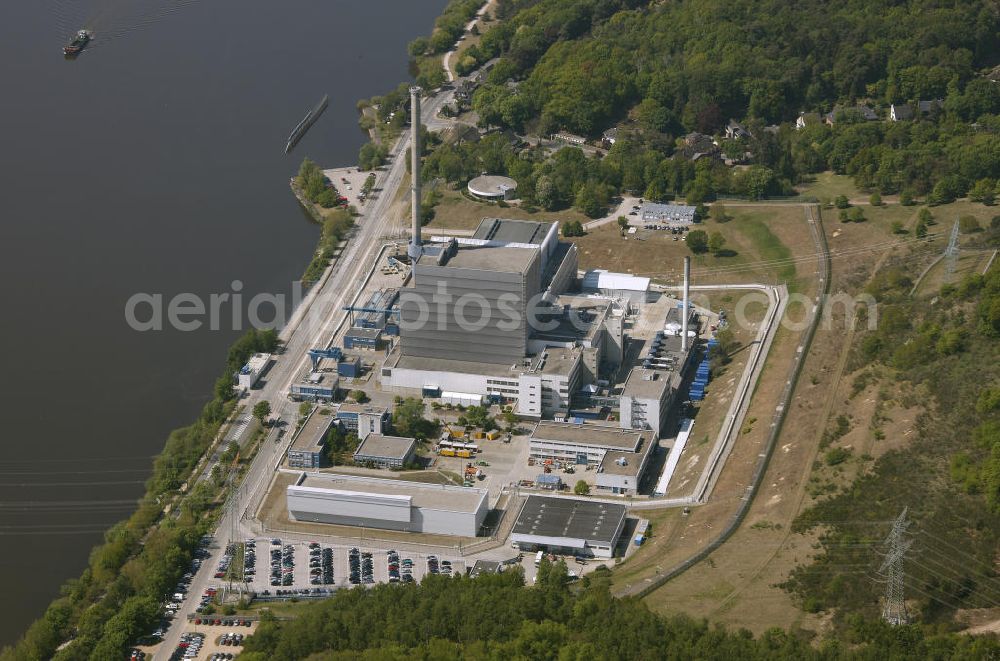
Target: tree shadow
<point x="726" y="252"/>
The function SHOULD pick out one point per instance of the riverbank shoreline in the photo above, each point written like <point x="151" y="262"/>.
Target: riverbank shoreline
<point x="142" y="558"/>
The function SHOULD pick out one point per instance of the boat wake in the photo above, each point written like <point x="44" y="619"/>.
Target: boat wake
<point x="112" y="20"/>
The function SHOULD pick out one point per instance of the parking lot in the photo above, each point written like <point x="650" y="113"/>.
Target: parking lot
<point x="303" y="568"/>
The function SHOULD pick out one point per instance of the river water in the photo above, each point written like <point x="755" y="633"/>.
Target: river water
<point x="152" y="163"/>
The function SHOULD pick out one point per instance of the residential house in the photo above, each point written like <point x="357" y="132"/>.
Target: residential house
<point x="900" y="112"/>
<point x="610" y="136"/>
<point x="698" y="145"/>
<point x="806" y="119"/>
<point x="736" y="131"/>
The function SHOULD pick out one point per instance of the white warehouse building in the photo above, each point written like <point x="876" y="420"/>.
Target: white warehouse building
<point x="351" y="500"/>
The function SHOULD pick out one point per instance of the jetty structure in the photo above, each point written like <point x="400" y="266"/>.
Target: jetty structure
<point x="307" y="121"/>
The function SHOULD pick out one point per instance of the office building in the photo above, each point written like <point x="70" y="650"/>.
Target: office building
<point x="385" y="451"/>
<point x="306" y="450"/>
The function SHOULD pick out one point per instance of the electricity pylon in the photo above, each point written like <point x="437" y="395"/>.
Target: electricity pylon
<point x="894" y="608"/>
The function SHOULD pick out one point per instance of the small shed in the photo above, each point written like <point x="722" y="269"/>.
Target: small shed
<point x="549" y="481"/>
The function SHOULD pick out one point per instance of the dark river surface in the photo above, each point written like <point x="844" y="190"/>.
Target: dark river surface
<point x="152" y="163"/>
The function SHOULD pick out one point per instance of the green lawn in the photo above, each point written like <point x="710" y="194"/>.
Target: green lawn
<point x="455" y="211"/>
<point x="769" y="246"/>
<point x="827" y="185"/>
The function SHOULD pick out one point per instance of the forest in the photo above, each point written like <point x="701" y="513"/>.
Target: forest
<point x="660" y="71"/>
<point x="495" y="617"/>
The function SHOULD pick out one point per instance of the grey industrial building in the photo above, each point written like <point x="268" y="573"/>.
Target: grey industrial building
<point x="502" y="266"/>
<point x="316" y="386"/>
<point x="512" y="271"/>
<point x="620" y="471"/>
<point x="306" y="450"/>
<point x="620" y="456"/>
<point x="569" y="526"/>
<point x="363" y="419"/>
<point x="387" y="504"/>
<point x="650" y="390"/>
<point x="385" y="451"/>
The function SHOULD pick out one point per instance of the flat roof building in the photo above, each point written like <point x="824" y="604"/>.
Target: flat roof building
<point x="584" y="444"/>
<point x="306" y="450"/>
<point x="363" y="338"/>
<point x="541" y="383"/>
<point x="363" y="419"/>
<point x="650" y="390"/>
<point x="387" y="504"/>
<point x="620" y="472"/>
<point x="670" y="215"/>
<point x="385" y="451"/>
<point x="250" y="373"/>
<point x="569" y="526"/>
<point x="487" y="330"/>
<point x="316" y="386"/>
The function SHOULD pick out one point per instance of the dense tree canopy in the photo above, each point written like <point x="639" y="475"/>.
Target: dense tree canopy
<point x="495" y="617"/>
<point x="667" y="69"/>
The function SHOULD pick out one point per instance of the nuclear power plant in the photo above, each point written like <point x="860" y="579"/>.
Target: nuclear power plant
<point x="505" y="316"/>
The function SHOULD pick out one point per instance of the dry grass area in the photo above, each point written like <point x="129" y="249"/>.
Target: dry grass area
<point x="762" y="243"/>
<point x="455" y="211"/>
<point x="711" y="412"/>
<point x="737" y="585"/>
<point x="968" y="263"/>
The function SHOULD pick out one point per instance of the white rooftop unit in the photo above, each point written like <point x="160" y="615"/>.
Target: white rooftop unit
<point x="250" y="373"/>
<point x="617" y="285"/>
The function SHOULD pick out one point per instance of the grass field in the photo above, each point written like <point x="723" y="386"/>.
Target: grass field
<point x="827" y="185"/>
<point x="756" y="236"/>
<point x="455" y="211"/>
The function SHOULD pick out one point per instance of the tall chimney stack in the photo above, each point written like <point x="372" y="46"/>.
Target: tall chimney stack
<point x="686" y="312"/>
<point x="415" y="243"/>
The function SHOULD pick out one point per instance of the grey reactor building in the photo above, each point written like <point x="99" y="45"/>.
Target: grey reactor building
<point x="502" y="314"/>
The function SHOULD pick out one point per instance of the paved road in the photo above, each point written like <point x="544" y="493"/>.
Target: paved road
<point x="313" y="324"/>
<point x="446" y="60"/>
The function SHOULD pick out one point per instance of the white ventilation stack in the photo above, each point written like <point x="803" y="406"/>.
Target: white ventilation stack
<point x="415" y="243"/>
<point x="685" y="312"/>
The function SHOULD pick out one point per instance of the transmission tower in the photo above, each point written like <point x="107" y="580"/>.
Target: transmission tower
<point x="894" y="608"/>
<point x="951" y="253"/>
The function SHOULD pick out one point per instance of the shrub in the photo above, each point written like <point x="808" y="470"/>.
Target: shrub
<point x="836" y="456"/>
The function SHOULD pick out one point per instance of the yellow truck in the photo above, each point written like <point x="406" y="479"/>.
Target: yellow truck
<point x="448" y="452"/>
